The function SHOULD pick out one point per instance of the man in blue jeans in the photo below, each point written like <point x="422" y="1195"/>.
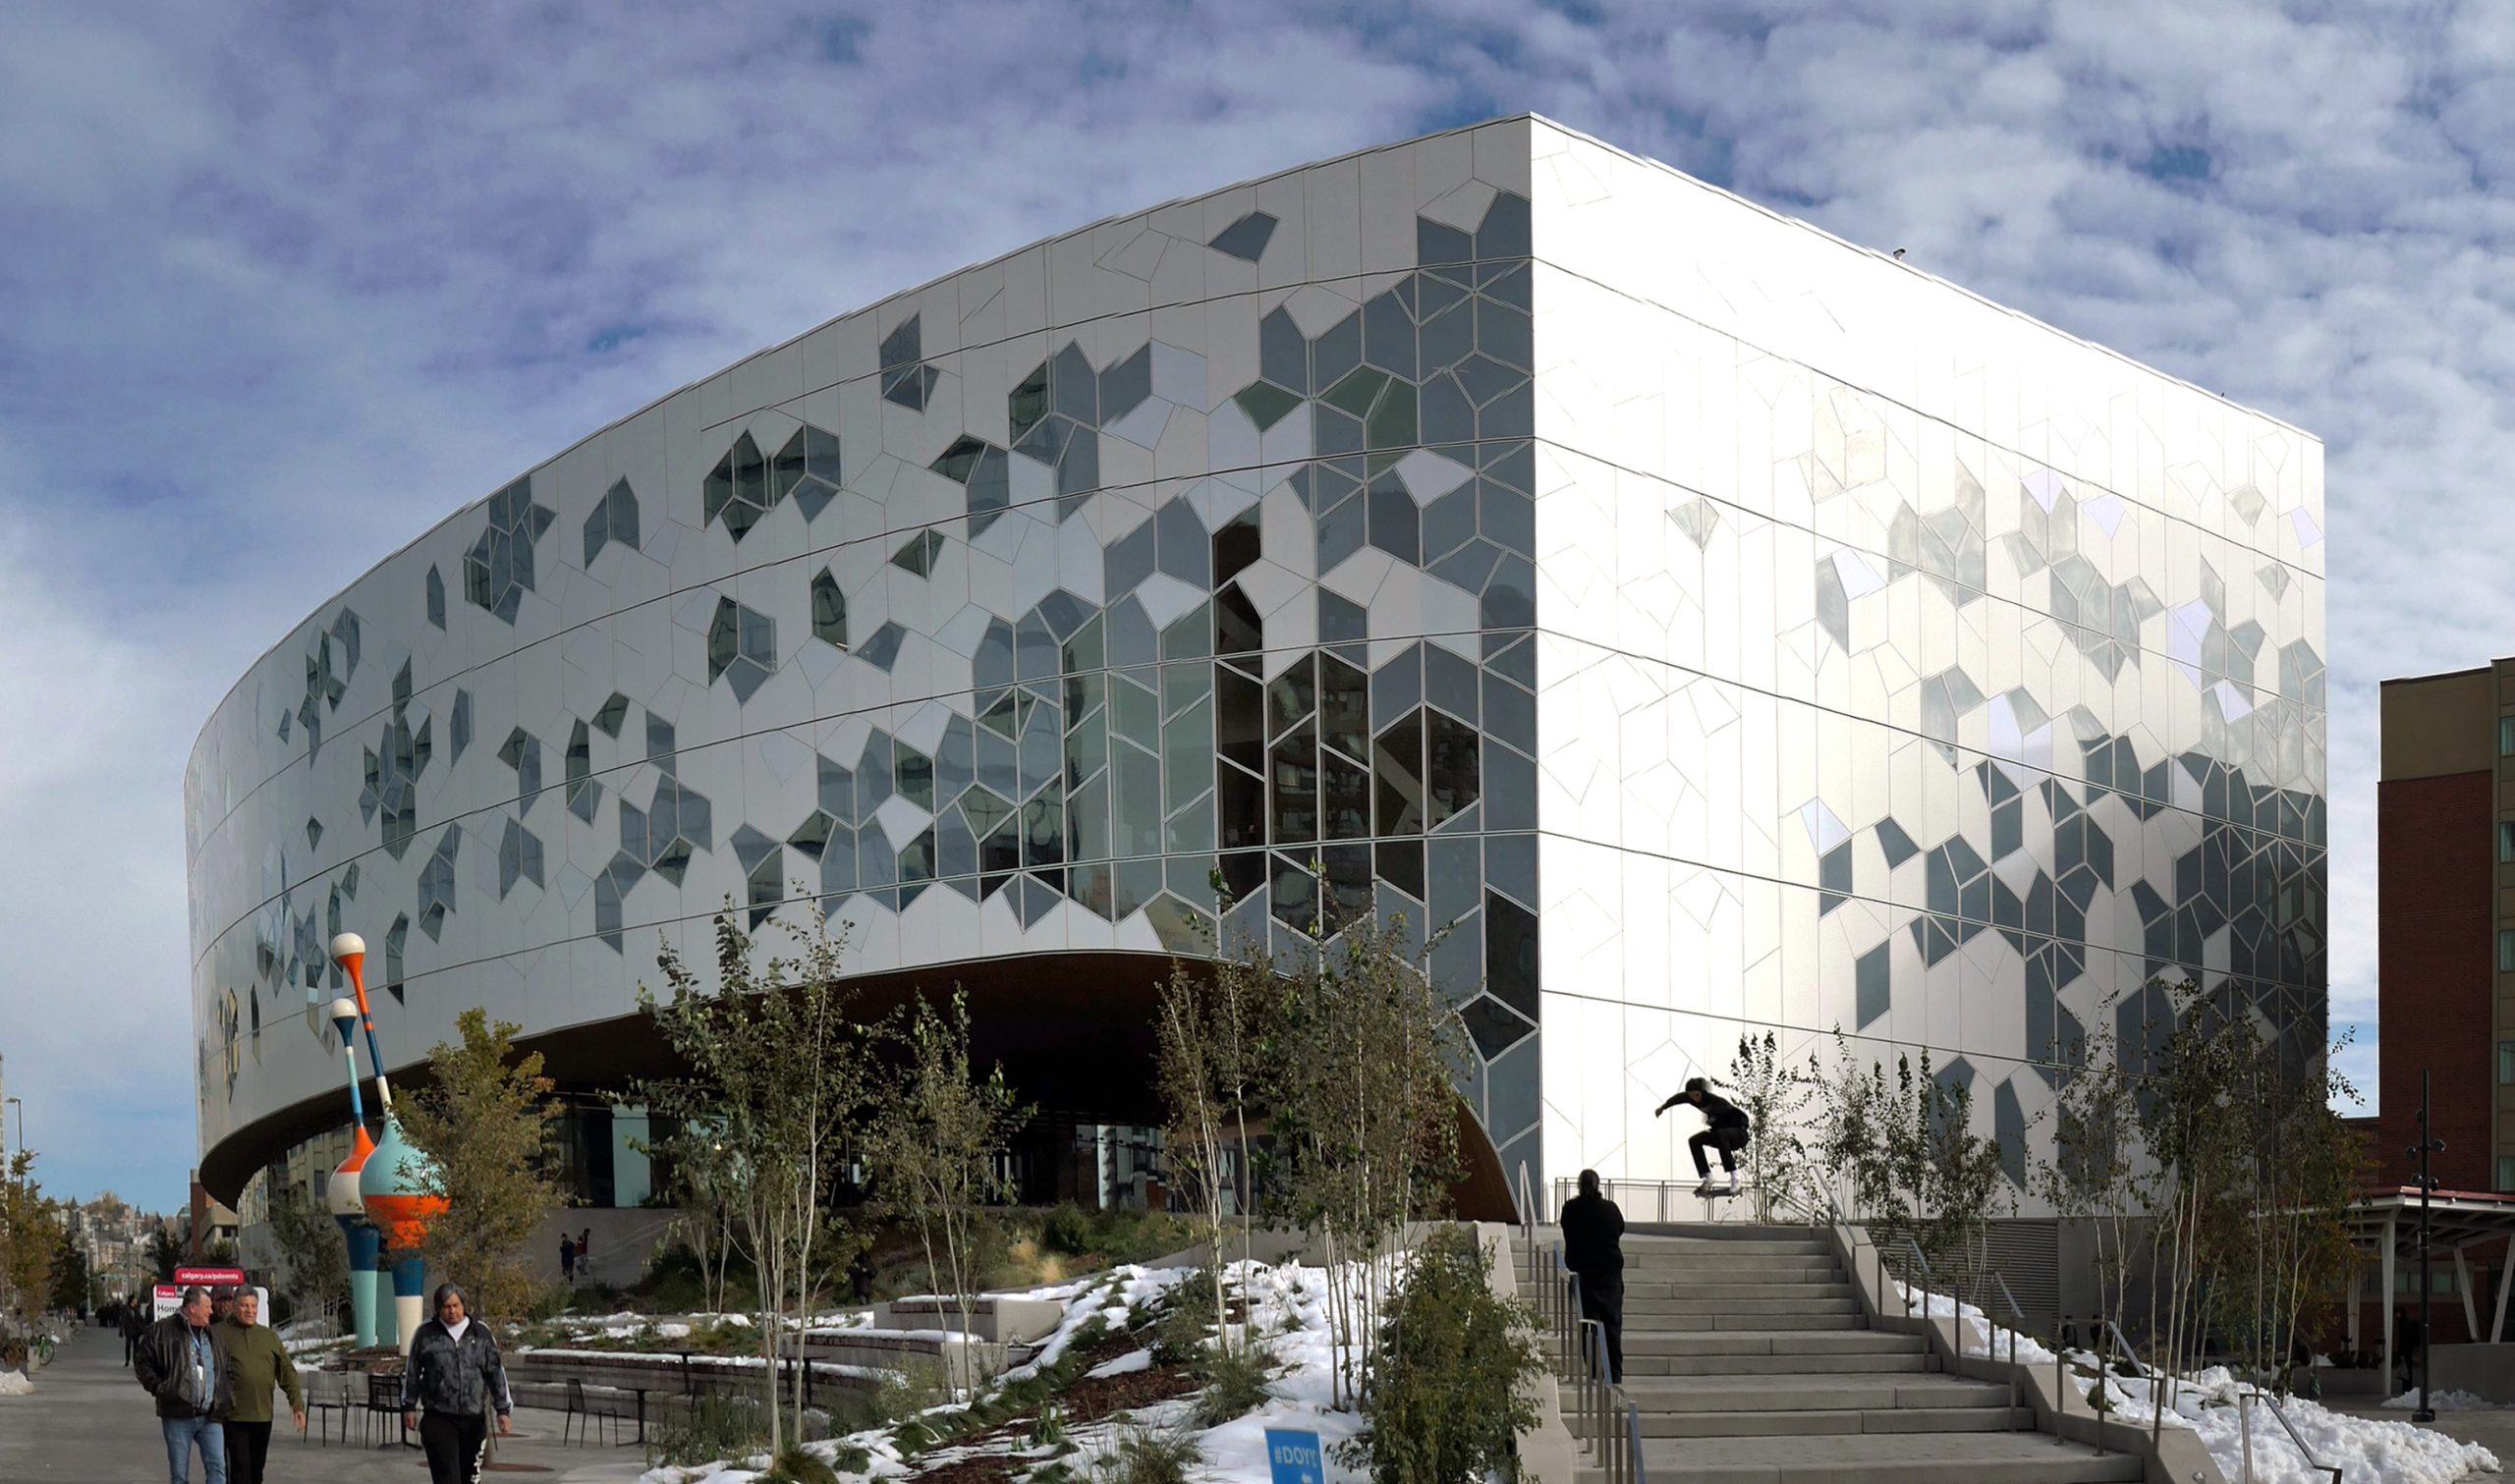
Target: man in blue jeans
<point x="182" y="1362"/>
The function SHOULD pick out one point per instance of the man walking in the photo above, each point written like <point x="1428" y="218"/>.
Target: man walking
<point x="1594" y="1249"/>
<point x="183" y="1363"/>
<point x="1725" y="1130"/>
<point x="257" y="1361"/>
<point x="453" y="1380"/>
<point x="134" y="1323"/>
<point x="566" y="1258"/>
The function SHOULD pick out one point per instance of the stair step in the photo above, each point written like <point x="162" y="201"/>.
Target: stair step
<point x="1776" y="1424"/>
<point x="1776" y="1343"/>
<point x="1816" y="1302"/>
<point x="1816" y="1386"/>
<point x="1663" y="1293"/>
<point x="1937" y="1458"/>
<point x="1847" y="1319"/>
<point x="1712" y="1269"/>
<point x="1649" y="1363"/>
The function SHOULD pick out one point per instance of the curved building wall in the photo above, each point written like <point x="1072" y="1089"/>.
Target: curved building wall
<point x="1718" y="625"/>
<point x="999" y="615"/>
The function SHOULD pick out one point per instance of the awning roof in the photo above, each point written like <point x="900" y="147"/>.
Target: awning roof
<point x="2455" y="1218"/>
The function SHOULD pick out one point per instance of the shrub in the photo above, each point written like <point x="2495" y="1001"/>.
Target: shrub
<point x="720" y="1426"/>
<point x="1187" y="1318"/>
<point x="1235" y="1382"/>
<point x="1454" y="1363"/>
<point x="1149" y="1455"/>
<point x="799" y="1465"/>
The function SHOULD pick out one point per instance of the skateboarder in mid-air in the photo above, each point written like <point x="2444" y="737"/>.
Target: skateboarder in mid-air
<point x="1726" y="1133"/>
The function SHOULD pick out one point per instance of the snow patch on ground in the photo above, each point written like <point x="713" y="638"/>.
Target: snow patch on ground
<point x="14" y="1384"/>
<point x="2367" y="1449"/>
<point x="1128" y="1363"/>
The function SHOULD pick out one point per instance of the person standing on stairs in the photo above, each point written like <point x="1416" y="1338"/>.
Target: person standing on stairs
<point x="1725" y="1130"/>
<point x="1594" y="1249"/>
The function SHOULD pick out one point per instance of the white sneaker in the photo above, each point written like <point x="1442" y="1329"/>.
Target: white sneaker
<point x="1710" y="1186"/>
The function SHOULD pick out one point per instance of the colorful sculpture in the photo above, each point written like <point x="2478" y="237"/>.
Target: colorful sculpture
<point x="394" y="1186"/>
<point x="347" y="1206"/>
<point x="392" y="1181"/>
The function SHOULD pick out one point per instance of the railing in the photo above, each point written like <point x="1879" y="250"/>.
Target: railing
<point x="1529" y="1215"/>
<point x="1605" y="1423"/>
<point x="2303" y="1451"/>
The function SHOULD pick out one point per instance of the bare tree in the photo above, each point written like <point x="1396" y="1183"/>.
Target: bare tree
<point x="779" y="1078"/>
<point x="1364" y="1101"/>
<point x="313" y="1258"/>
<point x="935" y="1148"/>
<point x="1775" y="1096"/>
<point x="2092" y="1174"/>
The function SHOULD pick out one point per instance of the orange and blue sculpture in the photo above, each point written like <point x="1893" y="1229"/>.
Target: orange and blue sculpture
<point x="393" y="1182"/>
<point x="347" y="1206"/>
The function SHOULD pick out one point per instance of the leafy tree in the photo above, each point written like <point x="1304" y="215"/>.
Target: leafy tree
<point x="69" y="1274"/>
<point x="314" y="1261"/>
<point x="29" y="1236"/>
<point x="779" y="1083"/>
<point x="166" y="1254"/>
<point x="934" y="1146"/>
<point x="487" y="1122"/>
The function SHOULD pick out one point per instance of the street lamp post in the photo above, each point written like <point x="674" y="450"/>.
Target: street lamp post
<point x="21" y="1105"/>
<point x="2426" y="1183"/>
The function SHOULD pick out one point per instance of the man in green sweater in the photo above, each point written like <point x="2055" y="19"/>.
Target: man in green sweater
<point x="257" y="1361"/>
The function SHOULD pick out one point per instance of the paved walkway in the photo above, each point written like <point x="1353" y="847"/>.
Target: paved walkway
<point x="87" y="1422"/>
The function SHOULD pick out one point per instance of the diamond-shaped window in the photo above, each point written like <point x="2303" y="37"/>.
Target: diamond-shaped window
<point x="829" y="609"/>
<point x="1245" y="238"/>
<point x="916" y="555"/>
<point x="742" y="647"/>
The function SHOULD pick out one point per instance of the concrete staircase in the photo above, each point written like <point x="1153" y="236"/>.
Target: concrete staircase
<point x="1750" y="1362"/>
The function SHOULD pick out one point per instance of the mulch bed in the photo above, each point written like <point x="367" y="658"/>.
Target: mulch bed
<point x="1090" y="1400"/>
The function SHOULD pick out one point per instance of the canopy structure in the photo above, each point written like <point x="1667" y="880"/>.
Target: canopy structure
<point x="2385" y="1224"/>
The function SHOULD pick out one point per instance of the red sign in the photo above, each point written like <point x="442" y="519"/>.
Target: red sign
<point x="210" y="1278"/>
<point x="169" y="1296"/>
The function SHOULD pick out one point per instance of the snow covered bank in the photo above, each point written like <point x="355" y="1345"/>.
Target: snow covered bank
<point x="2210" y="1402"/>
<point x="1286" y="1315"/>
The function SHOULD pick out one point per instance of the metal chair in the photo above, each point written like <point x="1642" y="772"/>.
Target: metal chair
<point x="325" y="1394"/>
<point x="384" y="1401"/>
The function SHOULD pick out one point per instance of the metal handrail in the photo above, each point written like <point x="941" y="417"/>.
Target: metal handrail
<point x="1528" y="1206"/>
<point x="1603" y="1420"/>
<point x="2303" y="1451"/>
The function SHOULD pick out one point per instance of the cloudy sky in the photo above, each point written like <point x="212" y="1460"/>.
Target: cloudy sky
<point x="284" y="284"/>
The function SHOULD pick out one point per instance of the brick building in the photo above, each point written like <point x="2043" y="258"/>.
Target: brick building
<point x="2446" y="919"/>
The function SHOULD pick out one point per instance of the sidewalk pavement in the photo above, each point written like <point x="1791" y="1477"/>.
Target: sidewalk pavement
<point x="87" y="1422"/>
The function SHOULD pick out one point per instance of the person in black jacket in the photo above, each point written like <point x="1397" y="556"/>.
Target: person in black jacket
<point x="182" y="1362"/>
<point x="451" y="1383"/>
<point x="134" y="1323"/>
<point x="1594" y="1249"/>
<point x="1727" y="1130"/>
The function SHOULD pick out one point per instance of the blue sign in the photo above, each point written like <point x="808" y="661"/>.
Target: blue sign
<point x="1293" y="1458"/>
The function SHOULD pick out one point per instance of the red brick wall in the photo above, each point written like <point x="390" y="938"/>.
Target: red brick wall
<point x="2437" y="963"/>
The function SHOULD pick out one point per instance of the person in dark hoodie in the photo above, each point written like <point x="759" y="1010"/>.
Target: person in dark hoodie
<point x="134" y="1323"/>
<point x="1725" y="1130"/>
<point x="183" y="1363"/>
<point x="1594" y="1249"/>
<point x="452" y="1383"/>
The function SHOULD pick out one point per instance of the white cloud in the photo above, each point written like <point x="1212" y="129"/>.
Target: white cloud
<point x="285" y="286"/>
